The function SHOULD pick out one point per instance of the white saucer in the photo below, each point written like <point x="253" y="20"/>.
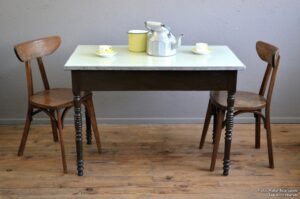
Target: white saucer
<point x="194" y="50"/>
<point x="106" y="54"/>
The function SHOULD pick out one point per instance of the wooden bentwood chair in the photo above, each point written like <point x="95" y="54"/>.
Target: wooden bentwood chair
<point x="246" y="102"/>
<point x="51" y="100"/>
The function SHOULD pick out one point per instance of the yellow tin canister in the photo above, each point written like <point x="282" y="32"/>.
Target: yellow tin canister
<point x="137" y="40"/>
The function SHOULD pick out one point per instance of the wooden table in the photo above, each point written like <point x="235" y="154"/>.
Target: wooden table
<point x="128" y="71"/>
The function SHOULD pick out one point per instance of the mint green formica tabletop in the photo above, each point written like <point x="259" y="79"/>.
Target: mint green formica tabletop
<point x="220" y="58"/>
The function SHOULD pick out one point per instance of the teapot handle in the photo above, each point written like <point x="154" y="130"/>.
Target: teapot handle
<point x="168" y="28"/>
<point x="149" y="24"/>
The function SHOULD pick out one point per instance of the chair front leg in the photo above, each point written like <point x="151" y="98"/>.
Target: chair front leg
<point x="220" y="119"/>
<point x="25" y="131"/>
<point x="206" y="123"/>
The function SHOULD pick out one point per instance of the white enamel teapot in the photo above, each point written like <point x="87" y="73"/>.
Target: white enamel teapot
<point x="160" y="41"/>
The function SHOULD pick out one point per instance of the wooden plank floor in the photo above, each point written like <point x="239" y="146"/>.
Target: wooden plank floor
<point x="148" y="161"/>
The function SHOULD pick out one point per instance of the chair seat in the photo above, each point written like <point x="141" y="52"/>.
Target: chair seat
<point x="54" y="98"/>
<point x="243" y="100"/>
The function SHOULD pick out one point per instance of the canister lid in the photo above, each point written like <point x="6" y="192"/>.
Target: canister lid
<point x="137" y="31"/>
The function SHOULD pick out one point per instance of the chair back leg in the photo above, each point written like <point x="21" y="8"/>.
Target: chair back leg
<point x="269" y="139"/>
<point x="91" y="112"/>
<point x="88" y="126"/>
<point x="54" y="127"/>
<point x="257" y="130"/>
<point x="215" y="119"/>
<point x="61" y="141"/>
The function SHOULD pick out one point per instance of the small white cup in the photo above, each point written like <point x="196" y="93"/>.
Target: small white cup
<point x="202" y="47"/>
<point x="104" y="49"/>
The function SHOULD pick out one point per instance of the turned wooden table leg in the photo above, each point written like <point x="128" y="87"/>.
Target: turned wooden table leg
<point x="78" y="130"/>
<point x="228" y="134"/>
<point x="88" y="127"/>
<point x="215" y="116"/>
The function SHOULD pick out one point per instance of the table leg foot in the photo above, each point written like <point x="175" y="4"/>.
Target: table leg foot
<point x="226" y="167"/>
<point x="80" y="168"/>
<point x="228" y="134"/>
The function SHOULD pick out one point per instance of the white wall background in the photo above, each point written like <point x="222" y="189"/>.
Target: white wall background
<point x="236" y="23"/>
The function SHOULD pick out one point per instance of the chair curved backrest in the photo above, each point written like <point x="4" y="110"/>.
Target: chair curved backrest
<point x="36" y="49"/>
<point x="269" y="54"/>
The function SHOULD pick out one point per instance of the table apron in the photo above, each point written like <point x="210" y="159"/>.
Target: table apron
<point x="92" y="80"/>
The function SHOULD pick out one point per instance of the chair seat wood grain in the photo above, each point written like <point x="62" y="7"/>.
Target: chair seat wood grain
<point x="244" y="100"/>
<point x="54" y="98"/>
